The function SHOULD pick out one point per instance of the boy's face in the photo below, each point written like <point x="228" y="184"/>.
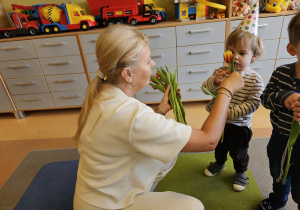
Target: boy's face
<point x="243" y="55"/>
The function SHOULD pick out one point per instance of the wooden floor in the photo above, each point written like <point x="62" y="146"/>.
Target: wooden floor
<point x="53" y="129"/>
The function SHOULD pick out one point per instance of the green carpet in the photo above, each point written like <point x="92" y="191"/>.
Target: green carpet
<point x="216" y="193"/>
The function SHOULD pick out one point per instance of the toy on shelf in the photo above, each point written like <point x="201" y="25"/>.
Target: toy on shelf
<point x="54" y="18"/>
<point x="152" y="4"/>
<point x="273" y="6"/>
<point x="196" y="9"/>
<point x="294" y="4"/>
<point x="109" y="12"/>
<point x="240" y="8"/>
<point x="23" y="25"/>
<point x="285" y="5"/>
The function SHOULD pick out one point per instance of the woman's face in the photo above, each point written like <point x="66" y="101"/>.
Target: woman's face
<point x="142" y="72"/>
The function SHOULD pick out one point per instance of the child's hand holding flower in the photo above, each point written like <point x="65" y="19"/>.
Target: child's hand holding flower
<point x="220" y="75"/>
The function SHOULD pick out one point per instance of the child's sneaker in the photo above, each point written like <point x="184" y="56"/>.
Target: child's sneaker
<point x="240" y="182"/>
<point x="267" y="204"/>
<point x="213" y="169"/>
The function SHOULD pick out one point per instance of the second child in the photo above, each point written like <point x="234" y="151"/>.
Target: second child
<point x="246" y="47"/>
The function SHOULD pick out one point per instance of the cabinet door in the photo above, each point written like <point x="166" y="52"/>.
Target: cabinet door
<point x="27" y="85"/>
<point x="16" y="50"/>
<point x="200" y="33"/>
<point x="92" y="63"/>
<point x="200" y="54"/>
<point x="68" y="98"/>
<point x="193" y="92"/>
<point x="284" y="30"/>
<point x="67" y="82"/>
<point x="88" y="42"/>
<point x="164" y="57"/>
<point x="5" y="105"/>
<point x="270" y="48"/>
<point x="161" y="37"/>
<point x="62" y="65"/>
<point x="21" y="68"/>
<point x="33" y="101"/>
<point x="58" y="46"/>
<point x="263" y="68"/>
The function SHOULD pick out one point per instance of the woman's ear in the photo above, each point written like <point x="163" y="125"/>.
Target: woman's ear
<point x="291" y="49"/>
<point x="127" y="74"/>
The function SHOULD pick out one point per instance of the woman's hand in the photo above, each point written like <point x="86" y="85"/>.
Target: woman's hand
<point x="164" y="105"/>
<point x="234" y="82"/>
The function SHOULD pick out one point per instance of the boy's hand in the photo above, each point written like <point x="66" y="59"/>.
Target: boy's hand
<point x="219" y="77"/>
<point x="289" y="103"/>
<point x="296" y="110"/>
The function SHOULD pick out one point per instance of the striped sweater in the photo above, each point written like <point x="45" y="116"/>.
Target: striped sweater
<point x="281" y="85"/>
<point x="244" y="102"/>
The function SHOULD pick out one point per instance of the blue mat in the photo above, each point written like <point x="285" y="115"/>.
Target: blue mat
<point x="52" y="188"/>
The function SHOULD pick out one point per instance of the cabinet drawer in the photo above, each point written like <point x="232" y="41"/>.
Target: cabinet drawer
<point x="163" y="57"/>
<point x="171" y="69"/>
<point x="58" y="46"/>
<point x="62" y="65"/>
<point x="263" y="68"/>
<point x="16" y="50"/>
<point x="33" y="101"/>
<point x="282" y="52"/>
<point x="285" y="61"/>
<point x="69" y="98"/>
<point x="201" y="54"/>
<point x="27" y="85"/>
<point x="201" y="33"/>
<point x="21" y="68"/>
<point x="192" y="92"/>
<point x="5" y="105"/>
<point x="91" y="62"/>
<point x="199" y="73"/>
<point x="268" y="28"/>
<point x="284" y="30"/>
<point x="88" y="42"/>
<point x="161" y="37"/>
<point x="67" y="82"/>
<point x="149" y="95"/>
<point x="270" y="48"/>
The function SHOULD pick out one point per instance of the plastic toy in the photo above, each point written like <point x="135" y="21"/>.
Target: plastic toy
<point x="55" y="18"/>
<point x="271" y="6"/>
<point x="154" y="7"/>
<point x="294" y="4"/>
<point x="109" y="12"/>
<point x="285" y="5"/>
<point x="240" y="8"/>
<point x="23" y="25"/>
<point x="186" y="10"/>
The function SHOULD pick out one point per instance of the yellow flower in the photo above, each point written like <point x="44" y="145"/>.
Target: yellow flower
<point x="228" y="56"/>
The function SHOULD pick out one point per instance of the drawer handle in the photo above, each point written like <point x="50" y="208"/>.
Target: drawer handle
<point x="25" y="84"/>
<point x="11" y="48"/>
<point x="196" y="72"/>
<point x="18" y="67"/>
<point x="194" y="89"/>
<point x="59" y="63"/>
<point x="256" y="67"/>
<point x="154" y="36"/>
<point x="199" y="52"/>
<point x="93" y="41"/>
<point x="200" y="31"/>
<point x="54" y="44"/>
<point x="157" y="56"/>
<point x="153" y="92"/>
<point x="69" y="97"/>
<point x="32" y="99"/>
<point x="64" y="81"/>
<point x="262" y="25"/>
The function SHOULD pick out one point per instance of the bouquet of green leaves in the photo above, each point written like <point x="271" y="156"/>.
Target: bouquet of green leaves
<point x="160" y="82"/>
<point x="295" y="130"/>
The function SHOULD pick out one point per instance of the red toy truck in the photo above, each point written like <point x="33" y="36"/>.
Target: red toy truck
<point x="109" y="12"/>
<point x="23" y="25"/>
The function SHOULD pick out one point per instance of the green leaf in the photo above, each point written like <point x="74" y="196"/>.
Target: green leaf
<point x="210" y="92"/>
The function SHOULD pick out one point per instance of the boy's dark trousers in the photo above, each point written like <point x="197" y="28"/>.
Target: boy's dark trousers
<point x="236" y="142"/>
<point x="275" y="149"/>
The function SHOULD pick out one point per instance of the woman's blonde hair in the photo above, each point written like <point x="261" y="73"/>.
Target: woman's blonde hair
<point x="117" y="47"/>
<point x="256" y="44"/>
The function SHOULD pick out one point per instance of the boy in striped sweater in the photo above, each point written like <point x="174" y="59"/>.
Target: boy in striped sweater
<point x="280" y="96"/>
<point x="237" y="133"/>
